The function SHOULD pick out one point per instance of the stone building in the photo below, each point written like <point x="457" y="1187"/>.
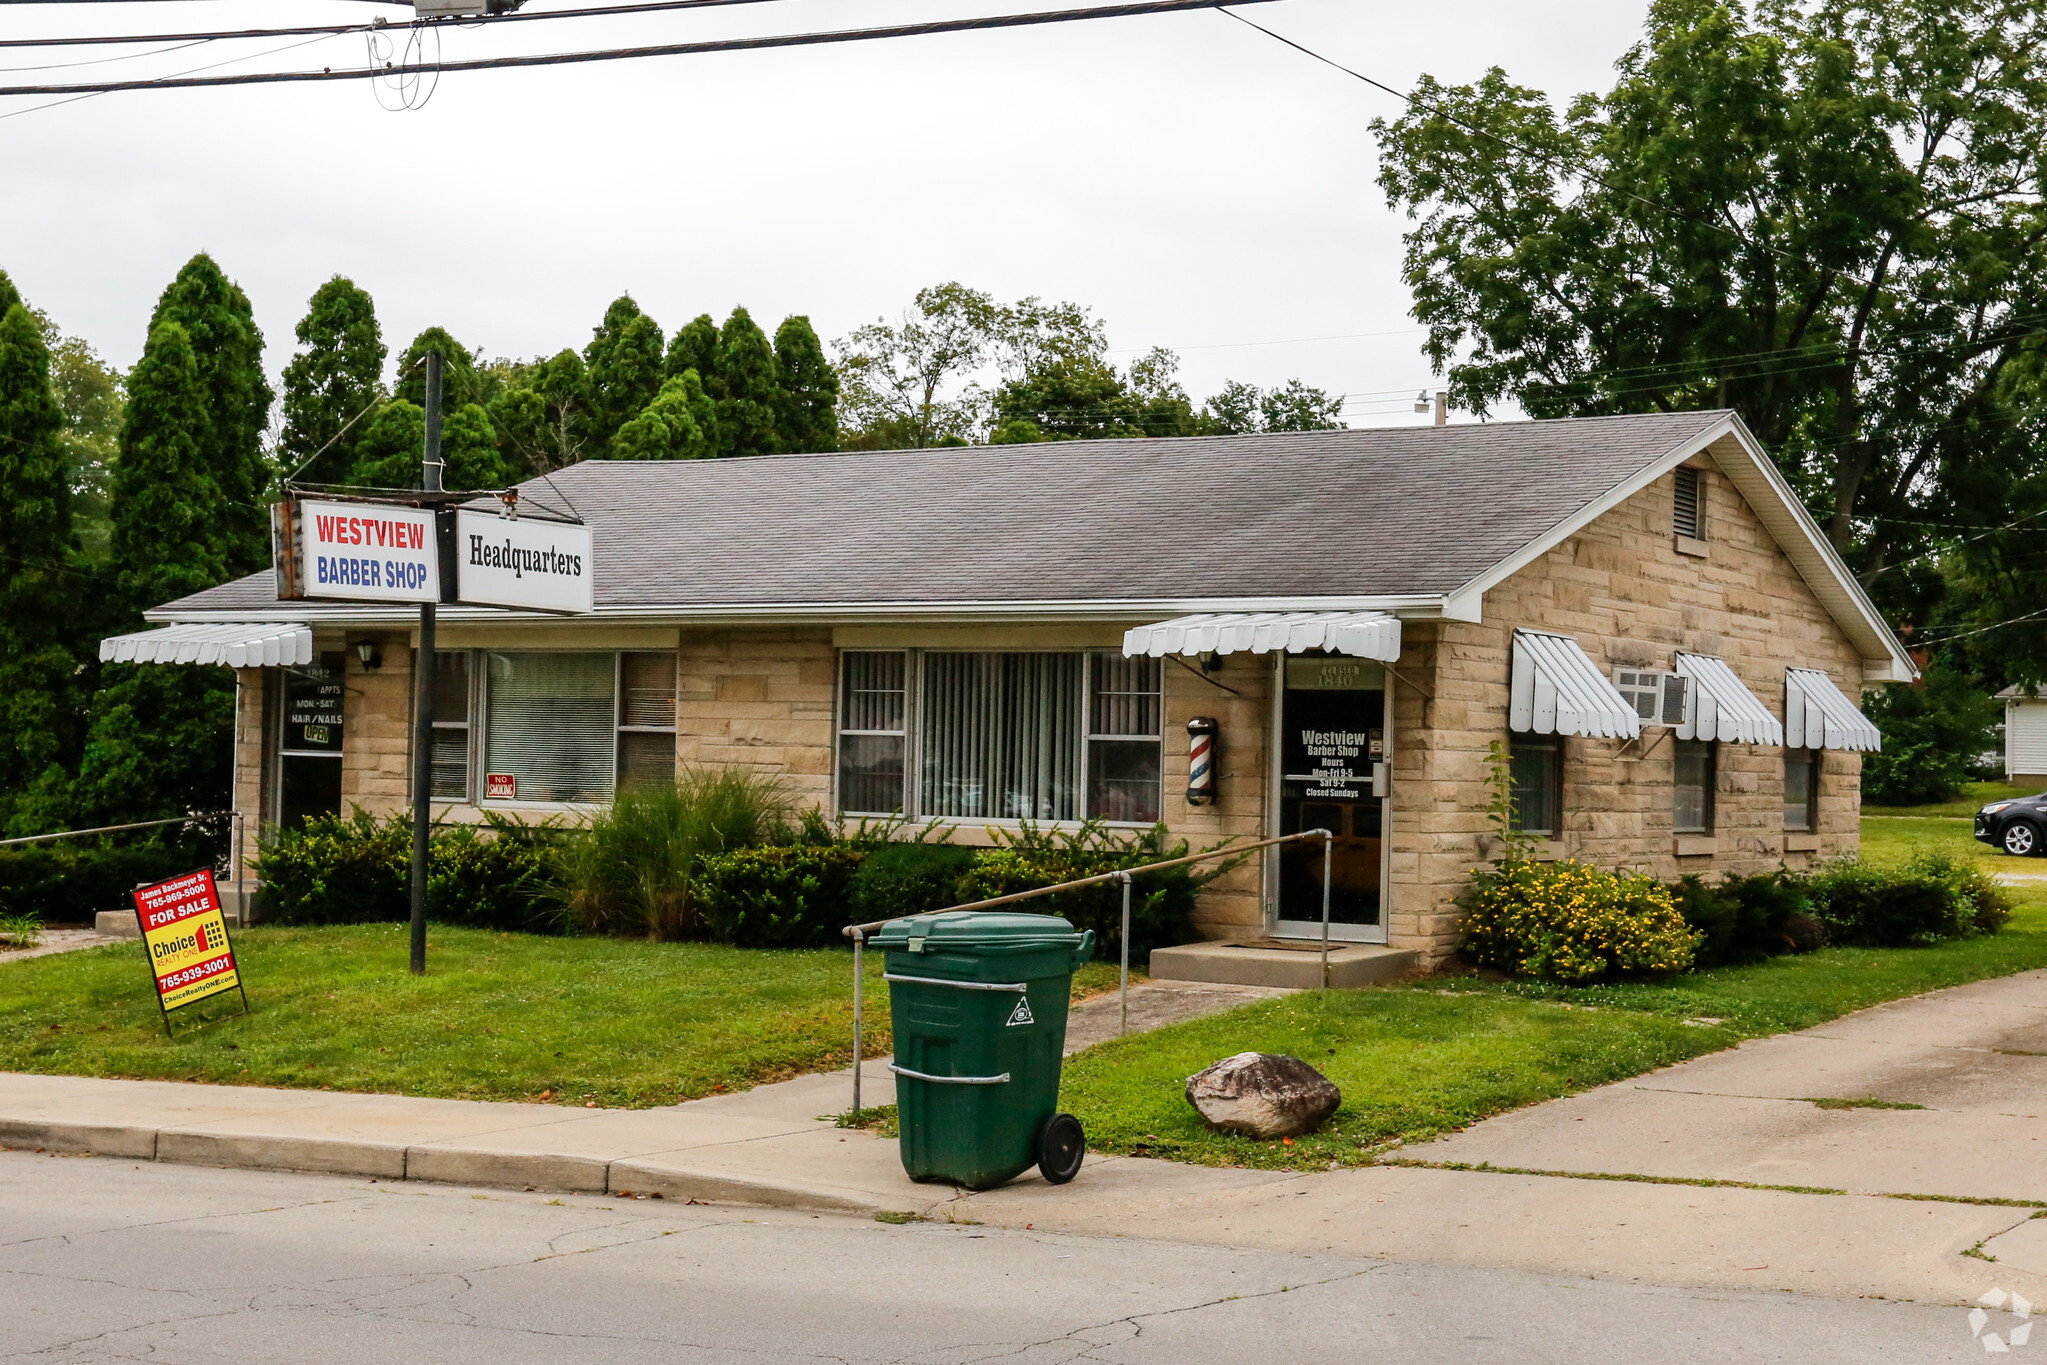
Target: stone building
<point x="1633" y="613"/>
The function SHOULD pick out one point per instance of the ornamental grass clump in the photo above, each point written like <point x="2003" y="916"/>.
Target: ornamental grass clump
<point x="1569" y="921"/>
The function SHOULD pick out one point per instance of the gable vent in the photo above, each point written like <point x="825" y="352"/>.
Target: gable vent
<point x="1688" y="505"/>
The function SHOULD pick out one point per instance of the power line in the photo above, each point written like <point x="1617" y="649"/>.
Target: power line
<point x="377" y="24"/>
<point x="996" y="21"/>
<point x="1552" y="160"/>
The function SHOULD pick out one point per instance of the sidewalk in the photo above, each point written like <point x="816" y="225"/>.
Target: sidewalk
<point x="1975" y="1056"/>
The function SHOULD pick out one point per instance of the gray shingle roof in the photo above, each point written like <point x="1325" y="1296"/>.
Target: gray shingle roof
<point x="1401" y="511"/>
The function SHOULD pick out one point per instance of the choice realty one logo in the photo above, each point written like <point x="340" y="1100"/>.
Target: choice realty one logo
<point x="2017" y="1327"/>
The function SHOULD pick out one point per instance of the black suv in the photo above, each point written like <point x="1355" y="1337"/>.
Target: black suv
<point x="2018" y="827"/>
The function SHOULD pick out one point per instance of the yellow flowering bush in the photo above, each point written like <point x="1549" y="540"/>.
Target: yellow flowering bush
<point x="1569" y="921"/>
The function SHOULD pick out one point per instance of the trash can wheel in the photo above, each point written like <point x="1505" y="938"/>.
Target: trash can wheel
<point x="1061" y="1145"/>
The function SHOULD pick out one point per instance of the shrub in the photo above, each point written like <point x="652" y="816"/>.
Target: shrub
<point x="1161" y="904"/>
<point x="20" y="931"/>
<point x="1934" y="735"/>
<point x="66" y="881"/>
<point x="794" y="896"/>
<point x="357" y="869"/>
<point x="1568" y="921"/>
<point x="629" y="871"/>
<point x="1747" y="918"/>
<point x="1933" y="897"/>
<point x="911" y="878"/>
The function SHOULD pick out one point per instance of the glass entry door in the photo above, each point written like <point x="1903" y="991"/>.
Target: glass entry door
<point x="1332" y="744"/>
<point x="309" y="750"/>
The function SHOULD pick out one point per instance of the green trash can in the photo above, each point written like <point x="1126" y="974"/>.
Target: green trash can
<point x="979" y="1005"/>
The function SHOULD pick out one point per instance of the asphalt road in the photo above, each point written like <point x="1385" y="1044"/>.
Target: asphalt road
<point x="104" y="1260"/>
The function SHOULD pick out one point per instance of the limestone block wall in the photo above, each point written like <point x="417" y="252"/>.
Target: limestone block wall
<point x="376" y="732"/>
<point x="762" y="698"/>
<point x="1625" y="592"/>
<point x="250" y="751"/>
<point x="1232" y="906"/>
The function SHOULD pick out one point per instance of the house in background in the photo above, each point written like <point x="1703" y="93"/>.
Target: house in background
<point x="2025" y="736"/>
<point x="1635" y="610"/>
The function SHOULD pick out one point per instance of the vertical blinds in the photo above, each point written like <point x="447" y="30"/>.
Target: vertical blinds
<point x="1001" y="735"/>
<point x="549" y="724"/>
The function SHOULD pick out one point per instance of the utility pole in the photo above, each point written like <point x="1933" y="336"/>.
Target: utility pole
<point x="1442" y="405"/>
<point x="423" y="681"/>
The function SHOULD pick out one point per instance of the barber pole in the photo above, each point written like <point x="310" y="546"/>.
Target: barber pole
<point x="1201" y="732"/>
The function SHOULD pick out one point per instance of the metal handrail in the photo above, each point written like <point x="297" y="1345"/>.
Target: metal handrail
<point x="859" y="932"/>
<point x="241" y="840"/>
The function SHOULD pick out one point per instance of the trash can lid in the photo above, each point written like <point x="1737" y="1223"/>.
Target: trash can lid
<point x="976" y="931"/>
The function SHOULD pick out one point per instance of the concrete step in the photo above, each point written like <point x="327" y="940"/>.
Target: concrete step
<point x="1245" y="964"/>
<point x="121" y="923"/>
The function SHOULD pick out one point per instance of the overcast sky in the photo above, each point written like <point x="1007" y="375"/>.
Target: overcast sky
<point x="1198" y="185"/>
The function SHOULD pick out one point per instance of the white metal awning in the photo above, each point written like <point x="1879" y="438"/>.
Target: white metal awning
<point x="1365" y="634"/>
<point x="262" y="644"/>
<point x="1722" y="707"/>
<point x="1818" y="715"/>
<point x="1558" y="690"/>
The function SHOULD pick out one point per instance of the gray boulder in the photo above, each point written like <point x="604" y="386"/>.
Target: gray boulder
<point x="1263" y="1094"/>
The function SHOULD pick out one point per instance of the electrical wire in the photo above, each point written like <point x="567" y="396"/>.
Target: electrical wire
<point x="102" y="61"/>
<point x="469" y="21"/>
<point x="993" y="21"/>
<point x="230" y="61"/>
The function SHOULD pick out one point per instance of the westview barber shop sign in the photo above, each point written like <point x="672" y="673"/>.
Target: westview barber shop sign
<point x="362" y="552"/>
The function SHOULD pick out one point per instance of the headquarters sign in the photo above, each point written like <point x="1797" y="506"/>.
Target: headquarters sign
<point x="539" y="565"/>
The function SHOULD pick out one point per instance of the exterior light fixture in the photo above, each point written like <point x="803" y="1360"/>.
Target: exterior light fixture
<point x="371" y="656"/>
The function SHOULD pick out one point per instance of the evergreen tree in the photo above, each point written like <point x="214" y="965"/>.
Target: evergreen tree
<point x="461" y="383"/>
<point x="808" y="416"/>
<point x="543" y="418"/>
<point x="227" y="354"/>
<point x="328" y="382"/>
<point x="158" y="745"/>
<point x="392" y="448"/>
<point x="695" y="347"/>
<point x="678" y="425"/>
<point x="624" y="359"/>
<point x="748" y="389"/>
<point x="41" y="644"/>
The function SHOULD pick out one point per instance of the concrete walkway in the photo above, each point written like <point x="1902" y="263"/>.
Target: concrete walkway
<point x="1975" y="1056"/>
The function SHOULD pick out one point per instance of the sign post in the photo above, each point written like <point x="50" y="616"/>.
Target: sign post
<point x="423" y="668"/>
<point x="185" y="936"/>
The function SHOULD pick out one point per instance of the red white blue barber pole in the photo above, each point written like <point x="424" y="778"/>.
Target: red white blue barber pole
<point x="1201" y="732"/>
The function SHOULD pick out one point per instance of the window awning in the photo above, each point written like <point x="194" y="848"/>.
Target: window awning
<point x="1721" y="707"/>
<point x="1558" y="690"/>
<point x="1366" y="634"/>
<point x="1818" y="715"/>
<point x="262" y="644"/>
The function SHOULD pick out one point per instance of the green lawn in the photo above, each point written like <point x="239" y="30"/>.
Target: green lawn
<point x="1895" y="840"/>
<point x="1975" y="795"/>
<point x="498" y="1016"/>
<point x="1419" y="1060"/>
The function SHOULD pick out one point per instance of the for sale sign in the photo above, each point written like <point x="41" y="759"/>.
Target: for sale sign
<point x="363" y="552"/>
<point x="185" y="935"/>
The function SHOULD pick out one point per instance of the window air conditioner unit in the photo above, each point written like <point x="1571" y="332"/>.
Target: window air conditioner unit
<point x="1658" y="698"/>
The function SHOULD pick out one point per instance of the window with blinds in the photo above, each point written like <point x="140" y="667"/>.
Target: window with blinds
<point x="873" y="731"/>
<point x="999" y="736"/>
<point x="450" y="771"/>
<point x="646" y="719"/>
<point x="1688" y="505"/>
<point x="549" y="725"/>
<point x="1123" y="738"/>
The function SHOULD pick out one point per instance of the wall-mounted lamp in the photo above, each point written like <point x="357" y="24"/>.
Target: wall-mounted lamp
<point x="372" y="657"/>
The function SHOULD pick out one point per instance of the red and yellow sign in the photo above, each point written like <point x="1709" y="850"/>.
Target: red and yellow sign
<point x="185" y="935"/>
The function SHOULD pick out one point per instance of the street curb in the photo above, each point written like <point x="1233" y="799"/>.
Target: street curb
<point x="427" y="1164"/>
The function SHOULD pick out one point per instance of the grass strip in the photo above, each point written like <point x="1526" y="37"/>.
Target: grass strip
<point x="1419" y="1060"/>
<point x="498" y="1016"/>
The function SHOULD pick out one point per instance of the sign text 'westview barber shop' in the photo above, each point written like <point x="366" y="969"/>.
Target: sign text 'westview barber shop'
<point x="361" y="552"/>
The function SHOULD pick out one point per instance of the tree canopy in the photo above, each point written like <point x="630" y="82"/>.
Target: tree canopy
<point x="336" y="374"/>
